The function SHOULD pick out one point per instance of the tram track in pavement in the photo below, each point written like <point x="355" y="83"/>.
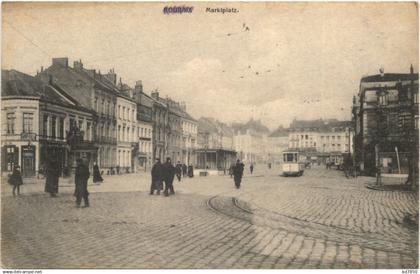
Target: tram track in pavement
<point x="234" y="208"/>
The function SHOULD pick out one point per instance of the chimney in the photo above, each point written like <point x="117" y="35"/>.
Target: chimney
<point x="91" y="73"/>
<point x="155" y="95"/>
<point x="42" y="68"/>
<point x="64" y="61"/>
<point x="139" y="86"/>
<point x="111" y="76"/>
<point x="411" y="69"/>
<point x="78" y="65"/>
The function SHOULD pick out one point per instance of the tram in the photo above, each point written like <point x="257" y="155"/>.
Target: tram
<point x="293" y="163"/>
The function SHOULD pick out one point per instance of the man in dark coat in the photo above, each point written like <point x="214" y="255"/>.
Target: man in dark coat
<point x="251" y="168"/>
<point x="168" y="176"/>
<point x="184" y="170"/>
<point x="81" y="179"/>
<point x="97" y="178"/>
<point x="52" y="175"/>
<point x="157" y="173"/>
<point x="178" y="171"/>
<point x="238" y="171"/>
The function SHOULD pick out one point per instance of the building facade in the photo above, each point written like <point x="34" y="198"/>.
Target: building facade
<point x="40" y="123"/>
<point x="385" y="114"/>
<point x="250" y="141"/>
<point x="95" y="92"/>
<point x="189" y="136"/>
<point x="214" y="145"/>
<point x="277" y="142"/>
<point x="160" y="126"/>
<point x="322" y="140"/>
<point x="126" y="132"/>
<point x="144" y="128"/>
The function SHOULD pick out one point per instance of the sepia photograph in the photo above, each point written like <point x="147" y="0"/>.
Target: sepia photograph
<point x="209" y="135"/>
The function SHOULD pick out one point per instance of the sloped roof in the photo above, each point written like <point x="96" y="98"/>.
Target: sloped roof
<point x="186" y="115"/>
<point x="211" y="125"/>
<point x="319" y="124"/>
<point x="15" y="83"/>
<point x="206" y="124"/>
<point x="279" y="132"/>
<point x="254" y="125"/>
<point x="390" y="77"/>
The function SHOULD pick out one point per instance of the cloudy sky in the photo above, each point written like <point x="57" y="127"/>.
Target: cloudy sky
<point x="298" y="60"/>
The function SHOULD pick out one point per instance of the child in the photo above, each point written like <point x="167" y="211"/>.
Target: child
<point x="16" y="180"/>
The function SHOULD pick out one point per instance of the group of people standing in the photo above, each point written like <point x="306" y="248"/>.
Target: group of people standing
<point x="165" y="174"/>
<point x="52" y="173"/>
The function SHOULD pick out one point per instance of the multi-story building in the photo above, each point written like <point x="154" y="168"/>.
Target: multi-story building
<point x="174" y="144"/>
<point x="41" y="122"/>
<point x="277" y="142"/>
<point x="93" y="91"/>
<point x="214" y="145"/>
<point x="250" y="141"/>
<point x="160" y="126"/>
<point x="126" y="131"/>
<point x="385" y="114"/>
<point x="189" y="136"/>
<point x="144" y="128"/>
<point x="322" y="140"/>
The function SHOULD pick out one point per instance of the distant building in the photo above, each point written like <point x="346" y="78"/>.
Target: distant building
<point x="215" y="145"/>
<point x="41" y="122"/>
<point x="250" y="141"/>
<point x="277" y="142"/>
<point x="385" y="114"/>
<point x="189" y="136"/>
<point x="322" y="140"/>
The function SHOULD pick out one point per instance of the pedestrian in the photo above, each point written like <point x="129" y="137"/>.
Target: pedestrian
<point x="168" y="176"/>
<point x="97" y="174"/>
<point x="238" y="171"/>
<point x="184" y="170"/>
<point x="251" y="168"/>
<point x="118" y="170"/>
<point x="157" y="172"/>
<point x="231" y="168"/>
<point x="16" y="180"/>
<point x="178" y="171"/>
<point x="190" y="171"/>
<point x="81" y="179"/>
<point x="52" y="176"/>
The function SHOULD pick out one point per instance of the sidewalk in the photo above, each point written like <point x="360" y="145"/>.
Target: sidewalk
<point x="112" y="183"/>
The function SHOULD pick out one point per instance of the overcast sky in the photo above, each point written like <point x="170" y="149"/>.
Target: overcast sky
<point x="298" y="60"/>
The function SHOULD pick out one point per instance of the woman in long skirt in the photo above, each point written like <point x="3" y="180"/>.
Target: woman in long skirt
<point x="16" y="180"/>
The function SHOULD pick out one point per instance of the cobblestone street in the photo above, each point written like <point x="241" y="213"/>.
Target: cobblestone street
<point x="319" y="220"/>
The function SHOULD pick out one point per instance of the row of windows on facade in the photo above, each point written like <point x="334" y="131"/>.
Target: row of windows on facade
<point x="306" y="144"/>
<point x="53" y="126"/>
<point x="108" y="108"/>
<point x="392" y="122"/>
<point x="189" y="127"/>
<point x="387" y="98"/>
<point x="28" y="120"/>
<point x="308" y="137"/>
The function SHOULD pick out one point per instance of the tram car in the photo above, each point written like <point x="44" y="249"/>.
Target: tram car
<point x="293" y="163"/>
